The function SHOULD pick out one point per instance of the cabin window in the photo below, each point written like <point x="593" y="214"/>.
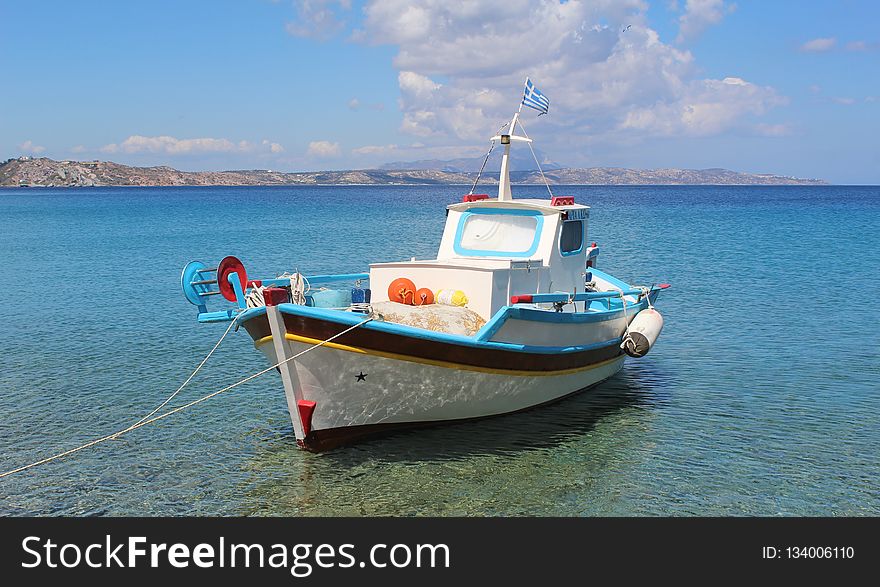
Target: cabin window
<point x="494" y="232"/>
<point x="571" y="240"/>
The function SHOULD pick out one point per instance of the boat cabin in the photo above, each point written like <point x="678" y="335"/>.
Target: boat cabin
<point x="493" y="249"/>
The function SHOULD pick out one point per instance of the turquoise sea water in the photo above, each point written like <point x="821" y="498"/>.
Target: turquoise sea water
<point x="761" y="398"/>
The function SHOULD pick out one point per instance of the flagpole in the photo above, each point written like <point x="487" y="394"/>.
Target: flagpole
<point x="525" y="85"/>
<point x="504" y="193"/>
<point x="519" y="110"/>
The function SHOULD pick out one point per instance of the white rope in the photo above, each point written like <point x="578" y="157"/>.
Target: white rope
<point x="646" y="291"/>
<point x="193" y="374"/>
<point x="144" y="421"/>
<point x="299" y="286"/>
<point x="255" y="298"/>
<point x="626" y="335"/>
<point x="486" y="160"/>
<point x="535" y="157"/>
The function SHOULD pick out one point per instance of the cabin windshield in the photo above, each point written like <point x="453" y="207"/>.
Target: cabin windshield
<point x="496" y="232"/>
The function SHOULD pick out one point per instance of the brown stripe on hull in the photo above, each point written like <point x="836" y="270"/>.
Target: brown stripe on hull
<point x="419" y="348"/>
<point x="323" y="440"/>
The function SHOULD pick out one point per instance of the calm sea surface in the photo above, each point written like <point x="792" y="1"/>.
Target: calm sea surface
<point x="761" y="398"/>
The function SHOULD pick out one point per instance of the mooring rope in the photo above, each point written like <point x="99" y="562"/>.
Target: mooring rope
<point x="149" y="420"/>
<point x="193" y="374"/>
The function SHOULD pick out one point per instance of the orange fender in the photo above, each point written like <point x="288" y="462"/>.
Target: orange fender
<point x="424" y="296"/>
<point x="402" y="291"/>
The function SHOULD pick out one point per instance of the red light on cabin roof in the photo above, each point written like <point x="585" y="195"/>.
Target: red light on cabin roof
<point x="521" y="299"/>
<point x="474" y="197"/>
<point x="562" y="201"/>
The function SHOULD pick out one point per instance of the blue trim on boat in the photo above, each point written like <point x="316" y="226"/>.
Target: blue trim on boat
<point x="352" y="318"/>
<point x="218" y="316"/>
<point x="539" y="225"/>
<point x="610" y="279"/>
<point x="539" y="315"/>
<point x="546" y="298"/>
<point x="493" y="325"/>
<point x="315" y="279"/>
<point x="252" y="313"/>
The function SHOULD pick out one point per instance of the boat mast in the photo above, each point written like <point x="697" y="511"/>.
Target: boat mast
<point x="504" y="194"/>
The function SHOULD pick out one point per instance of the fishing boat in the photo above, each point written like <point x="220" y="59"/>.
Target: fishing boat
<point x="512" y="313"/>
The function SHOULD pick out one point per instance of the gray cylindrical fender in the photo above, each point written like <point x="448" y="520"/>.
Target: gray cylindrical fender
<point x="643" y="333"/>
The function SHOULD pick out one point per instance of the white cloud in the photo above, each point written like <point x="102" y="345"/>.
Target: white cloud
<point x="169" y="145"/>
<point x="29" y="147"/>
<point x="442" y="38"/>
<point x="371" y="155"/>
<point x="374" y="149"/>
<point x="461" y="68"/>
<point x="707" y="107"/>
<point x="173" y="146"/>
<point x="324" y="149"/>
<point x="819" y="45"/>
<point x="700" y="15"/>
<point x="354" y="104"/>
<point x="419" y="122"/>
<point x="418" y="86"/>
<point x="844" y="101"/>
<point x="78" y="149"/>
<point x="319" y="19"/>
<point x="273" y="147"/>
<point x="862" y="46"/>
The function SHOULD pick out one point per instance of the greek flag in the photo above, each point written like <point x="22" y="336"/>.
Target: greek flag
<point x="533" y="98"/>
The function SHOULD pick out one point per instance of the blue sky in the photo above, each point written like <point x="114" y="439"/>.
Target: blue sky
<point x="773" y="86"/>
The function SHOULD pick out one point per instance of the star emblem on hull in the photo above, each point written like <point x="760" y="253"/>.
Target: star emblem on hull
<point x="361" y="376"/>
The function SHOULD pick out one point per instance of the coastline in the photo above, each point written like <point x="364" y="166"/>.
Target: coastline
<point x="44" y="172"/>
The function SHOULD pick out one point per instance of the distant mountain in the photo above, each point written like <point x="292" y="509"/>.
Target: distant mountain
<point x="667" y="176"/>
<point x="44" y="172"/>
<point x="519" y="161"/>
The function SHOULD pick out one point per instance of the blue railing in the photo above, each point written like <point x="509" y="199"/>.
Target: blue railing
<point x="198" y="290"/>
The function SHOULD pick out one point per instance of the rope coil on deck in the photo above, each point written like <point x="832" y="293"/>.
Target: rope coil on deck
<point x="150" y="418"/>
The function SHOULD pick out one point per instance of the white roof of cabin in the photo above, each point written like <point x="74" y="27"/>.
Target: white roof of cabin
<point x="522" y="203"/>
<point x="490" y="263"/>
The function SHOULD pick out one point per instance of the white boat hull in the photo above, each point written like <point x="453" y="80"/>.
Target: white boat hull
<point x="358" y="393"/>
